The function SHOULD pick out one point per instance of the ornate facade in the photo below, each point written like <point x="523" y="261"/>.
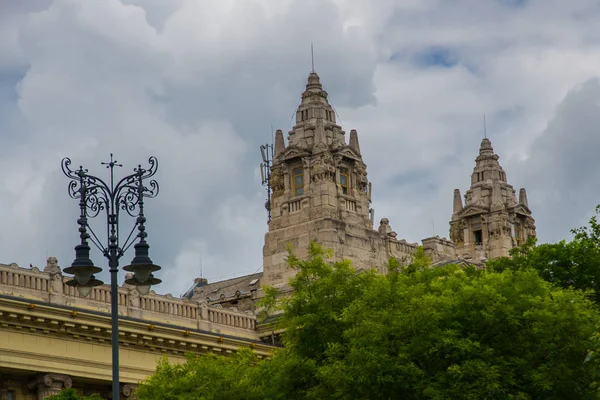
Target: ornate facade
<point x="320" y="191"/>
<point x="54" y="339"/>
<point x="492" y="221"/>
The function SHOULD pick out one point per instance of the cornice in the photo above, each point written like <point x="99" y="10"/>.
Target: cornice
<point x="85" y="325"/>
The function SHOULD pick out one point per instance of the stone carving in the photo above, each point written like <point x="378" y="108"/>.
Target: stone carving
<point x="128" y="389"/>
<point x="277" y="180"/>
<point x="52" y="265"/>
<point x="530" y="225"/>
<point x="50" y="384"/>
<point x="361" y="176"/>
<point x="323" y="213"/>
<point x="322" y="167"/>
<point x="306" y="163"/>
<point x="337" y="159"/>
<point x="499" y="225"/>
<point x="457" y="232"/>
<point x="134" y="298"/>
<point x="341" y="236"/>
<point x="386" y="229"/>
<point x="57" y="283"/>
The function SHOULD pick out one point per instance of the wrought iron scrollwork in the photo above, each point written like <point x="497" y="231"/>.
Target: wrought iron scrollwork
<point x="96" y="196"/>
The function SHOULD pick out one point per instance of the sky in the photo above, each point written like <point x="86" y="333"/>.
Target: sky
<point x="199" y="83"/>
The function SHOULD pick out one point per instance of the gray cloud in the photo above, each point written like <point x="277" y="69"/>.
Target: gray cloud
<point x="199" y="83"/>
<point x="563" y="168"/>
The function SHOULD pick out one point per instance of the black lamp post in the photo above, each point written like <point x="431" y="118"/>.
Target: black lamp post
<point x="94" y="197"/>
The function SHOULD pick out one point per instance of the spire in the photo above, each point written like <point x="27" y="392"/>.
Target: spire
<point x="486" y="149"/>
<point x="279" y="142"/>
<point x="314" y="82"/>
<point x="523" y="198"/>
<point x="458" y="205"/>
<point x="354" y="140"/>
<point x="312" y="57"/>
<point x="314" y="104"/>
<point x="487" y="168"/>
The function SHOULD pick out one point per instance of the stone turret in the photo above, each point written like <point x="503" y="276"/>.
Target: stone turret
<point x="279" y="142"/>
<point x="492" y="221"/>
<point x="321" y="192"/>
<point x="457" y="207"/>
<point x="354" y="140"/>
<point x="523" y="198"/>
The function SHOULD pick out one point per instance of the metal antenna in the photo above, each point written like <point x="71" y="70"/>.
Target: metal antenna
<point x="312" y="56"/>
<point x="484" y="127"/>
<point x="201" y="275"/>
<point x="266" y="152"/>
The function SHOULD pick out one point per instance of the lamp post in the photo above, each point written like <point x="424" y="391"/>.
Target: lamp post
<point x="96" y="196"/>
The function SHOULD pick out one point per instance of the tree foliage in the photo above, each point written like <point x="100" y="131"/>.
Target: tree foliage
<point x="567" y="264"/>
<point x="415" y="333"/>
<point x="201" y="378"/>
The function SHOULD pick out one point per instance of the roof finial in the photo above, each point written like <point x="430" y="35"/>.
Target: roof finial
<point x="484" y="127"/>
<point x="312" y="56"/>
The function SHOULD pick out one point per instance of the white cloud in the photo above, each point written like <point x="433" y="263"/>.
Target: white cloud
<point x="199" y="83"/>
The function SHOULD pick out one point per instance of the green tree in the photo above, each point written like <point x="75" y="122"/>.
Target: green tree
<point x="71" y="394"/>
<point x="415" y="333"/>
<point x="574" y="263"/>
<point x="203" y="377"/>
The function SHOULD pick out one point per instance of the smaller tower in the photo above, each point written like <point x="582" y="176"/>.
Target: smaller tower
<point x="492" y="221"/>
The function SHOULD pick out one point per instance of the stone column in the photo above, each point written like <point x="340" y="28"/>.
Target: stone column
<point x="50" y="384"/>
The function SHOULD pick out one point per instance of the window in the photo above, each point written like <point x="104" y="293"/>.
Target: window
<point x="11" y="395"/>
<point x="517" y="233"/>
<point x="298" y="181"/>
<point x="344" y="180"/>
<point x="477" y="237"/>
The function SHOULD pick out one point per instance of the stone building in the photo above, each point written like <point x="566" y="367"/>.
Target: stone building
<point x="320" y="191"/>
<point x="492" y="221"/>
<point x="51" y="338"/>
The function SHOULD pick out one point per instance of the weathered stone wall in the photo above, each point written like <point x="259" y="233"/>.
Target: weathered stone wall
<point x="439" y="249"/>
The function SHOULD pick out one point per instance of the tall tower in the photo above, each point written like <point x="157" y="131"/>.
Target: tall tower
<point x="320" y="192"/>
<point x="492" y="220"/>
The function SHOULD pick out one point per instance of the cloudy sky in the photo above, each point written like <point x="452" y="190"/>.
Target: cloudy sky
<point x="198" y="83"/>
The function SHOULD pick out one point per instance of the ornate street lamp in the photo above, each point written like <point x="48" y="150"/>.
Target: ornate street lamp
<point x="94" y="197"/>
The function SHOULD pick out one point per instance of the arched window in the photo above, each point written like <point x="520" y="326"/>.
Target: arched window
<point x="298" y="181"/>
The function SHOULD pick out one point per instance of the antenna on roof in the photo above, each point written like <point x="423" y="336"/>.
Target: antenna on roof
<point x="201" y="275"/>
<point x="312" y="56"/>
<point x="432" y="227"/>
<point x="266" y="152"/>
<point x="484" y="127"/>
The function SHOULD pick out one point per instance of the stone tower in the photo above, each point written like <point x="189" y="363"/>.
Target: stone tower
<point x="492" y="220"/>
<point x="320" y="192"/>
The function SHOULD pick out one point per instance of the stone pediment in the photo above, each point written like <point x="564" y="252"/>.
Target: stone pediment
<point x="292" y="152"/>
<point x="521" y="209"/>
<point x="473" y="210"/>
<point x="349" y="152"/>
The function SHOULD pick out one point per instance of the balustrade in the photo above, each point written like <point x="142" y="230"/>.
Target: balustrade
<point x="15" y="280"/>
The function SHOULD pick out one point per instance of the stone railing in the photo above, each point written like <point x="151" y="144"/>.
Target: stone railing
<point x="50" y="286"/>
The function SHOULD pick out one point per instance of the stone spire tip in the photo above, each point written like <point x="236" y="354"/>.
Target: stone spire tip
<point x="486" y="147"/>
<point x="354" y="140"/>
